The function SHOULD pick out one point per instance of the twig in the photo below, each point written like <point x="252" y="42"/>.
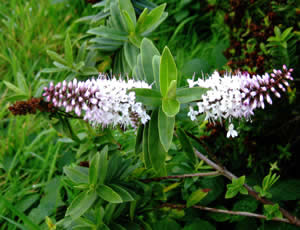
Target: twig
<point x="214" y="173"/>
<point x="292" y="219"/>
<point x="239" y="213"/>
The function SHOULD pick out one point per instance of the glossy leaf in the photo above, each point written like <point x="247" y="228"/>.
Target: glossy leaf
<point x="146" y="156"/>
<point x="124" y="194"/>
<point x="196" y="197"/>
<point x="151" y="19"/>
<point x="109" y="33"/>
<point x="81" y="204"/>
<point x="148" y="50"/>
<point x="167" y="71"/>
<point x="129" y="23"/>
<point x="139" y="140"/>
<point x="186" y="144"/>
<point x="93" y="170"/>
<point x="187" y="95"/>
<point x="155" y="67"/>
<point x="126" y="5"/>
<point x="171" y="93"/>
<point x="170" y="107"/>
<point x="131" y="53"/>
<point x="76" y="175"/>
<point x="103" y="165"/>
<point x="108" y="194"/>
<point x="116" y="17"/>
<point x="156" y="151"/>
<point x="165" y="129"/>
<point x="148" y="97"/>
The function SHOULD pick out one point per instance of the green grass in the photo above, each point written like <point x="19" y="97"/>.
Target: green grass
<point x="32" y="153"/>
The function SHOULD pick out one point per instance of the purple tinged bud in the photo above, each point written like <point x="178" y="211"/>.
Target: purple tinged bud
<point x="58" y="85"/>
<point x="253" y="93"/>
<point x="69" y="95"/>
<point x="94" y="101"/>
<point x="73" y="102"/>
<point x="45" y="94"/>
<point x="262" y="104"/>
<point x="64" y="83"/>
<point x="70" y="85"/>
<point x="74" y="82"/>
<point x="56" y="94"/>
<point x="277" y="94"/>
<point x="254" y="104"/>
<point x="261" y="98"/>
<point x="59" y="104"/>
<point x="77" y="110"/>
<point x="272" y="80"/>
<point x="273" y="89"/>
<point x="279" y="72"/>
<point x="264" y="88"/>
<point x="64" y="103"/>
<point x="87" y="93"/>
<point x="272" y="75"/>
<point x="49" y="98"/>
<point x="51" y="84"/>
<point x="269" y="100"/>
<point x="80" y="99"/>
<point x="291" y="70"/>
<point x="286" y="83"/>
<point x="284" y="67"/>
<point x="45" y="89"/>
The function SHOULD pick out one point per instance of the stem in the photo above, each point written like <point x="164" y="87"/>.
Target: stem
<point x="239" y="213"/>
<point x="292" y="219"/>
<point x="214" y="173"/>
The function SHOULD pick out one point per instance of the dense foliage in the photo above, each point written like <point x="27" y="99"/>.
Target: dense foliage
<point x="128" y="149"/>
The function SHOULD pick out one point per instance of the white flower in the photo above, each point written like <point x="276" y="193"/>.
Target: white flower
<point x="231" y="132"/>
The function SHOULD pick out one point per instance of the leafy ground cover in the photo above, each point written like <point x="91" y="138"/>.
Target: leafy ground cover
<point x="48" y="164"/>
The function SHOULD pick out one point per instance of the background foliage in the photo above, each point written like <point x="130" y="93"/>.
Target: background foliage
<point x="49" y="174"/>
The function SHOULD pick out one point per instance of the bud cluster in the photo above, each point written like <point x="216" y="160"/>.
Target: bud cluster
<point x="237" y="96"/>
<point x="103" y="101"/>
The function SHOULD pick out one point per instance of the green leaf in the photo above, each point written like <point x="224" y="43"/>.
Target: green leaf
<point x="167" y="71"/>
<point x="129" y="23"/>
<point x="197" y="224"/>
<point x="235" y="187"/>
<point x="170" y="107"/>
<point x="131" y="53"/>
<point x="89" y="70"/>
<point x="186" y="144"/>
<point x="139" y="140"/>
<point x="286" y="190"/>
<point x="148" y="97"/>
<point x="187" y="95"/>
<point x="165" y="129"/>
<point x="196" y="197"/>
<point x="148" y="50"/>
<point x="117" y="18"/>
<point x="126" y="5"/>
<point x="156" y="151"/>
<point x="146" y="154"/>
<point x="141" y="19"/>
<point x="171" y="94"/>
<point x="68" y="50"/>
<point x="57" y="57"/>
<point x="108" y="194"/>
<point x="76" y="175"/>
<point x="81" y="204"/>
<point x="124" y="194"/>
<point x="155" y="67"/>
<point x="151" y="19"/>
<point x="248" y="204"/>
<point x="27" y="221"/>
<point x="272" y="211"/>
<point x="22" y="84"/>
<point x="93" y="170"/>
<point x="103" y="165"/>
<point x="14" y="88"/>
<point x="109" y="33"/>
<point x="52" y="70"/>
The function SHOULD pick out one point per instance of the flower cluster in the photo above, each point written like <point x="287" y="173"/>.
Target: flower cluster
<point x="238" y="95"/>
<point x="103" y="101"/>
